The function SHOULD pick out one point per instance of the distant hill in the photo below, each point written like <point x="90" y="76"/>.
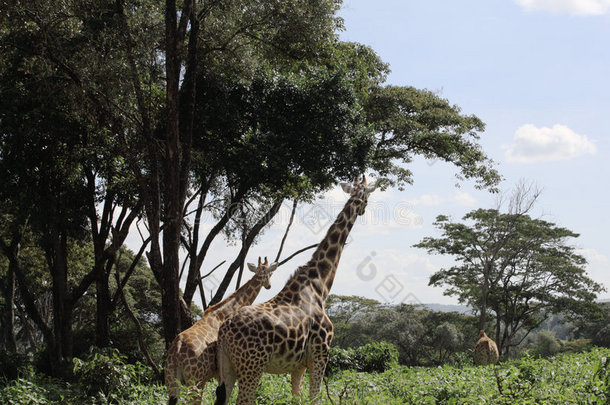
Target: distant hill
<point x="461" y="309"/>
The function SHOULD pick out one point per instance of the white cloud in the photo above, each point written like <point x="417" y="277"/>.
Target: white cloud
<point x="594" y="257"/>
<point x="464" y="199"/>
<point x="532" y="144"/>
<point x="572" y="7"/>
<point x="427" y="200"/>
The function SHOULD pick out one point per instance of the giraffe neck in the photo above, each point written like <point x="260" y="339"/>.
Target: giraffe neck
<point x="244" y="295"/>
<point x="318" y="274"/>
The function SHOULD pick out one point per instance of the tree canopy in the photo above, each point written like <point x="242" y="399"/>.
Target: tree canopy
<point x="114" y="111"/>
<point x="520" y="268"/>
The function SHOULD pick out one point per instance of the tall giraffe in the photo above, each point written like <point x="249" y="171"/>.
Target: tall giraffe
<point x="191" y="359"/>
<point x="291" y="332"/>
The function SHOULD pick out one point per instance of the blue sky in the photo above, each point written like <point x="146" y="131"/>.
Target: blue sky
<point x="536" y="72"/>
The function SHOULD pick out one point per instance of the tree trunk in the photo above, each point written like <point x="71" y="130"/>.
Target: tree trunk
<point x="11" y="342"/>
<point x="103" y="308"/>
<point x="57" y="258"/>
<point x="173" y="153"/>
<point x="483" y="314"/>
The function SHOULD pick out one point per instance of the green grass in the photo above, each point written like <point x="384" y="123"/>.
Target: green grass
<point x="568" y="378"/>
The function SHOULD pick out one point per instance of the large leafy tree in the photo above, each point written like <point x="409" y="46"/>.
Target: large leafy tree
<point x="220" y="104"/>
<point x="519" y="268"/>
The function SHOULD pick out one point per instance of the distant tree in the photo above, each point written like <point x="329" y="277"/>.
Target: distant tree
<point x="596" y="328"/>
<point x="446" y="339"/>
<point x="344" y="312"/>
<point x="520" y="268"/>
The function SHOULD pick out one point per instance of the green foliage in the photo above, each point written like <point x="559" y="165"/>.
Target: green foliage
<point x="372" y="357"/>
<point x="601" y="379"/>
<point x="412" y="122"/>
<point x="576" y="346"/>
<point x="568" y="378"/>
<point x="519" y="268"/>
<point x="547" y="344"/>
<point x="422" y="337"/>
<point x="106" y="373"/>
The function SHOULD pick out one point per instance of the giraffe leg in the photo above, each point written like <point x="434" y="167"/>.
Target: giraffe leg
<point x="226" y="378"/>
<point x="316" y="374"/>
<point x="172" y="371"/>
<point x="297" y="377"/>
<point x="247" y="387"/>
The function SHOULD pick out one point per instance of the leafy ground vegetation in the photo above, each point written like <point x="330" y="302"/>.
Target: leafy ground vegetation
<point x="568" y="378"/>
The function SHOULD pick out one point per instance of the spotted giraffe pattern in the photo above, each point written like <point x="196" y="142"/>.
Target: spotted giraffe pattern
<point x="291" y="332"/>
<point x="485" y="351"/>
<point x="191" y="359"/>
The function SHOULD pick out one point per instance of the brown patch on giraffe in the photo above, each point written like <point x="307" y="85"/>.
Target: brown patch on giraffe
<point x="334" y="237"/>
<point x="331" y="253"/>
<point x="313" y="273"/>
<point x="324" y="266"/>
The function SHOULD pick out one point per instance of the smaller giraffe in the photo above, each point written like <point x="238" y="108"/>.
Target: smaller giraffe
<point x="485" y="351"/>
<point x="191" y="359"/>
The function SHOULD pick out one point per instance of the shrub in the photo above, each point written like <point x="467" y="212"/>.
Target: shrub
<point x="106" y="372"/>
<point x="576" y="346"/>
<point x="547" y="344"/>
<point x="372" y="357"/>
<point x="376" y="357"/>
<point x="602" y="337"/>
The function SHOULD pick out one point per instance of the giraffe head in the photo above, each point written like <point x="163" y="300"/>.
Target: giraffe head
<point x="263" y="271"/>
<point x="360" y="191"/>
<point x="482" y="333"/>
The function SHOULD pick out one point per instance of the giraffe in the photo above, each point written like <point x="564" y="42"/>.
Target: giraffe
<point x="291" y="332"/>
<point x="485" y="351"/>
<point x="191" y="358"/>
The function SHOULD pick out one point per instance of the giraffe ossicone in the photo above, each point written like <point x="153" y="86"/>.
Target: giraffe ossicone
<point x="291" y="332"/>
<point x="191" y="358"/>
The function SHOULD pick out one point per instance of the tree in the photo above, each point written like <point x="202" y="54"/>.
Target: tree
<point x="447" y="339"/>
<point x="520" y="268"/>
<point x="220" y="104"/>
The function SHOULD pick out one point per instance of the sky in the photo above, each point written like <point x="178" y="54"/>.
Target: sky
<point x="536" y="72"/>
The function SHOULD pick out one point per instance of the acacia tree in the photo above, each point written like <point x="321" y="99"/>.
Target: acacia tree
<point x="521" y="269"/>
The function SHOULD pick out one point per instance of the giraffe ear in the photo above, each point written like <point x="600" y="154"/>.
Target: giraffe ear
<point x="273" y="266"/>
<point x="370" y="187"/>
<point x="347" y="187"/>
<point x="252" y="267"/>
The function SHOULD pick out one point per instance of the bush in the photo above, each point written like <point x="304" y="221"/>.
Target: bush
<point x="376" y="357"/>
<point x="547" y="344"/>
<point x="602" y="337"/>
<point x="106" y="372"/>
<point x="372" y="357"/>
<point x="576" y="346"/>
